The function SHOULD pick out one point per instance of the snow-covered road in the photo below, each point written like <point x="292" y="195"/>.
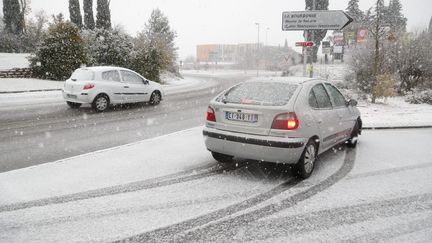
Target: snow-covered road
<point x="159" y="186"/>
<point x="380" y="191"/>
<point x="42" y="125"/>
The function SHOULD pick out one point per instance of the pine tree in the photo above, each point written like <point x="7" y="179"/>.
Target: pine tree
<point x="430" y="26"/>
<point x="103" y="16"/>
<point x="156" y="47"/>
<point x="353" y="10"/>
<point x="316" y="35"/>
<point x="89" y="22"/>
<point x="395" y="18"/>
<point x="75" y="13"/>
<point x="14" y="11"/>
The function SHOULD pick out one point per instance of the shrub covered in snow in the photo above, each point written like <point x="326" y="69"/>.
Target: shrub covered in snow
<point x="61" y="52"/>
<point x="108" y="47"/>
<point x="420" y="97"/>
<point x="384" y="86"/>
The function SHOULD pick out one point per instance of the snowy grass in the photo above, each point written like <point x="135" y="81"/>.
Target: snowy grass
<point x="24" y="84"/>
<point x="395" y="112"/>
<point x="13" y="60"/>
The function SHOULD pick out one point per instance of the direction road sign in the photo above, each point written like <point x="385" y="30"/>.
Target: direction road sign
<point x="305" y="43"/>
<point x="315" y="20"/>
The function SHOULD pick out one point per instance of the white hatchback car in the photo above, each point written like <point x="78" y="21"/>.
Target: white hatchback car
<point x="281" y="120"/>
<point x="103" y="86"/>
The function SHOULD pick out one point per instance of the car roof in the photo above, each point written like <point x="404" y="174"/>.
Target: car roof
<point x="293" y="79"/>
<point x="103" y="68"/>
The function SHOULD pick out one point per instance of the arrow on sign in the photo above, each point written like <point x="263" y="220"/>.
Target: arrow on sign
<point x="315" y="20"/>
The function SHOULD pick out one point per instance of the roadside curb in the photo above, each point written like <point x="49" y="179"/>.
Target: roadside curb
<point x="28" y="91"/>
<point x="396" y="127"/>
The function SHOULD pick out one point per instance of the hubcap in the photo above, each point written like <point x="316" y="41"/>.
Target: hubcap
<point x="309" y="158"/>
<point x="156" y="98"/>
<point x="101" y="103"/>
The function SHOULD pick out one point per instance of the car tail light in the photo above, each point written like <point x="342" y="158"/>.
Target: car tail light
<point x="286" y="121"/>
<point x="88" y="86"/>
<point x="211" y="116"/>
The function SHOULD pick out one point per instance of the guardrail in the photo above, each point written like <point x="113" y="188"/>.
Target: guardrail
<point x="16" y="73"/>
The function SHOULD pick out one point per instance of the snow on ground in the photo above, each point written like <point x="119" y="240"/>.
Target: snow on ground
<point x="395" y="112"/>
<point x="13" y="60"/>
<point x="332" y="72"/>
<point x="27" y="84"/>
<point x="115" y="166"/>
<point x="323" y="216"/>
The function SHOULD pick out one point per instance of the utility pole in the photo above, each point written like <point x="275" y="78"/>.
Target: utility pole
<point x="258" y="49"/>
<point x="305" y="49"/>
<point x="267" y="36"/>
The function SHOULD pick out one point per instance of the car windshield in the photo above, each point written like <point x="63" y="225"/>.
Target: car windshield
<point x="82" y="75"/>
<point x="259" y="93"/>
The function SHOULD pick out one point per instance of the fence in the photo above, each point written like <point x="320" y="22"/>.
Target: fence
<point x="16" y="73"/>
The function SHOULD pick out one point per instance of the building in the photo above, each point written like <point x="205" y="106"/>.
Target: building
<point x="217" y="53"/>
<point x="245" y="56"/>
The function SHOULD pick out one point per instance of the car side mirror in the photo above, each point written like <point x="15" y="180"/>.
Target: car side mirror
<point x="146" y="82"/>
<point x="352" y="102"/>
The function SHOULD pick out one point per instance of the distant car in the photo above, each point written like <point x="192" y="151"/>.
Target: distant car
<point x="281" y="120"/>
<point x="104" y="86"/>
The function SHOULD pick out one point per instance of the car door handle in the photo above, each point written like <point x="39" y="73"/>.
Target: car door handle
<point x="320" y="121"/>
<point x="127" y="87"/>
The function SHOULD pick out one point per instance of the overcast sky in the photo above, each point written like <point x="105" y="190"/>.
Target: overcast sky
<point x="226" y="21"/>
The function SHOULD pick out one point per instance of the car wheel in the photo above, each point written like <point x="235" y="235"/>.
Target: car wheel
<point x="222" y="158"/>
<point x="155" y="98"/>
<point x="352" y="142"/>
<point x="73" y="105"/>
<point x="306" y="163"/>
<point x="100" y="103"/>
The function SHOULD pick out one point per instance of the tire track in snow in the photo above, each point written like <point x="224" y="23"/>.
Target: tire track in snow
<point x="180" y="177"/>
<point x="389" y="171"/>
<point x="183" y="231"/>
<point x="228" y="227"/>
<point x="318" y="221"/>
<point x="402" y="229"/>
<point x="166" y="233"/>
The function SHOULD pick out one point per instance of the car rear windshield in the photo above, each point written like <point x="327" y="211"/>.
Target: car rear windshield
<point x="259" y="93"/>
<point x="82" y="75"/>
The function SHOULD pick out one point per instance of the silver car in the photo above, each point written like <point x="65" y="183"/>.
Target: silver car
<point x="281" y="120"/>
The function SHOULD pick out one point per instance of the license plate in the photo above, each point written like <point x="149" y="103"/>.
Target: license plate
<point x="71" y="96"/>
<point x="244" y="117"/>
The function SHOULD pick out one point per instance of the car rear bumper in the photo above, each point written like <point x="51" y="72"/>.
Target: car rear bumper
<point x="82" y="98"/>
<point x="265" y="148"/>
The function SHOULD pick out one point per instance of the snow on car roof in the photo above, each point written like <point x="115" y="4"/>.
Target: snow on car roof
<point x="103" y="68"/>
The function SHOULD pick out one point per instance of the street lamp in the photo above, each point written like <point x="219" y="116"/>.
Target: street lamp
<point x="267" y="29"/>
<point x="257" y="57"/>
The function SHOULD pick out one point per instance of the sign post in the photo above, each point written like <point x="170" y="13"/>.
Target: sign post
<point x="314" y="20"/>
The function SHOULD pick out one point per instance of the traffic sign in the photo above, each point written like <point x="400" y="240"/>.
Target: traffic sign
<point x="305" y="43"/>
<point x="315" y="20"/>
